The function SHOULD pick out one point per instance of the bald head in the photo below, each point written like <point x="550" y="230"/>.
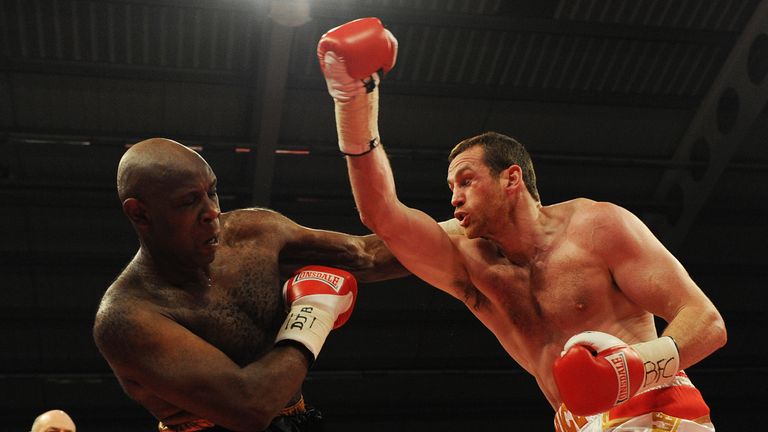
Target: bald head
<point x="151" y="164"/>
<point x="53" y="421"/>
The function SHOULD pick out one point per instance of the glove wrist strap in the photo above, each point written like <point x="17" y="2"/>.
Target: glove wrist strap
<point x="357" y="124"/>
<point x="372" y="144"/>
<point x="661" y="361"/>
<point x="308" y="325"/>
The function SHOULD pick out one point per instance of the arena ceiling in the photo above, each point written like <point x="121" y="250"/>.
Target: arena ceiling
<point x="659" y="106"/>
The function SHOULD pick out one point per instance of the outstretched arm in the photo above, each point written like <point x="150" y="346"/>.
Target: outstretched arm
<point x="350" y="56"/>
<point x="416" y="239"/>
<point x="366" y="257"/>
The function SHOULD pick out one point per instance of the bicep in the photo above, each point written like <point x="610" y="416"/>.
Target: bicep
<point x="305" y="246"/>
<point x="295" y="244"/>
<point x="367" y="257"/>
<point x="645" y="271"/>
<point x="425" y="248"/>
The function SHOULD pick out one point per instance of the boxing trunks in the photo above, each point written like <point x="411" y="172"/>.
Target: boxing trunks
<point x="675" y="407"/>
<point x="295" y="418"/>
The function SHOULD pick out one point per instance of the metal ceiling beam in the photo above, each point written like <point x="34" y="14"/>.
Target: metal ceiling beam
<point x="496" y="93"/>
<point x="722" y="122"/>
<point x="414" y="17"/>
<point x="268" y="106"/>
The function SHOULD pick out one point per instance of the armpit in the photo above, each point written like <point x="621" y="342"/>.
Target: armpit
<point x="472" y="297"/>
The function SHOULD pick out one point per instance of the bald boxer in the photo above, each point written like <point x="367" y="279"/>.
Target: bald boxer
<point x="198" y="327"/>
<point x="569" y="289"/>
<point x="53" y="421"/>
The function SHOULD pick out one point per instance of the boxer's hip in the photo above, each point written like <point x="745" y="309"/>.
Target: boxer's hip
<point x="298" y="417"/>
<point x="677" y="407"/>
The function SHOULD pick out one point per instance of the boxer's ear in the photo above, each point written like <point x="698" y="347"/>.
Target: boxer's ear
<point x="136" y="212"/>
<point x="513" y="176"/>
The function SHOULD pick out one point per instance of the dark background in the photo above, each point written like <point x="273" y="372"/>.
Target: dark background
<point x="656" y="105"/>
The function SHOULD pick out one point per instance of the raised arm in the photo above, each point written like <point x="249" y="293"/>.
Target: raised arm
<point x="350" y="56"/>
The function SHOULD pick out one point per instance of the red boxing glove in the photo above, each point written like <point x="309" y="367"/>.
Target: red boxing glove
<point x="350" y="57"/>
<point x="597" y="371"/>
<point x="364" y="47"/>
<point x="321" y="299"/>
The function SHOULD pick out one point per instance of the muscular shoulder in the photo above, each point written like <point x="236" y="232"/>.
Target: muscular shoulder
<point x="251" y="218"/>
<point x="246" y="224"/>
<point x="123" y="319"/>
<point x="605" y="226"/>
<point x="589" y="212"/>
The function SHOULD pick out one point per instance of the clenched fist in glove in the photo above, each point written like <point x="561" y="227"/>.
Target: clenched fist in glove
<point x="321" y="299"/>
<point x="351" y="57"/>
<point x="597" y="371"/>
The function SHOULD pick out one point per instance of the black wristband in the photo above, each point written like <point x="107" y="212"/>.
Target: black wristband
<point x="370" y="85"/>
<point x="675" y="342"/>
<point x="372" y="144"/>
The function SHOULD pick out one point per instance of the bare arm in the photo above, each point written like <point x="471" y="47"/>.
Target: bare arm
<point x="159" y="360"/>
<point x="451" y="226"/>
<point x="367" y="257"/>
<point x="649" y="275"/>
<point x="416" y="239"/>
<point x="364" y="256"/>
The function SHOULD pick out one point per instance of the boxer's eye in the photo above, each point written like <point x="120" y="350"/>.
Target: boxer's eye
<point x="190" y="200"/>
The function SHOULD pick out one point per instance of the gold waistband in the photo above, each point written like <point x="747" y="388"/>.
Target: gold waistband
<point x="190" y="426"/>
<point x="297" y="408"/>
<point x="202" y="424"/>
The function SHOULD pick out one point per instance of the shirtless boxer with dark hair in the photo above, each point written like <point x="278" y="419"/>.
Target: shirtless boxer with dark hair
<point x="195" y="327"/>
<point x="570" y="289"/>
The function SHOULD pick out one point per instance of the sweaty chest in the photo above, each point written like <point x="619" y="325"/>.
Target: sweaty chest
<point x="554" y="294"/>
<point x="244" y="309"/>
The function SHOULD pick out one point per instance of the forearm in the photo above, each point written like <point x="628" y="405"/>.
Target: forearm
<point x="385" y="265"/>
<point x="273" y="381"/>
<point x="238" y="398"/>
<point x="278" y="375"/>
<point x="351" y="57"/>
<point x="373" y="187"/>
<point x="698" y="331"/>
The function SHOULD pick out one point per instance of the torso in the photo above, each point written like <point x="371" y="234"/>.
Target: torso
<point x="244" y="309"/>
<point x="239" y="314"/>
<point x="534" y="308"/>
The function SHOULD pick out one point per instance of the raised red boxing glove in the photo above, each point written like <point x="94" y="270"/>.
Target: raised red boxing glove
<point x="350" y="57"/>
<point x="321" y="299"/>
<point x="597" y="371"/>
<point x="363" y="45"/>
